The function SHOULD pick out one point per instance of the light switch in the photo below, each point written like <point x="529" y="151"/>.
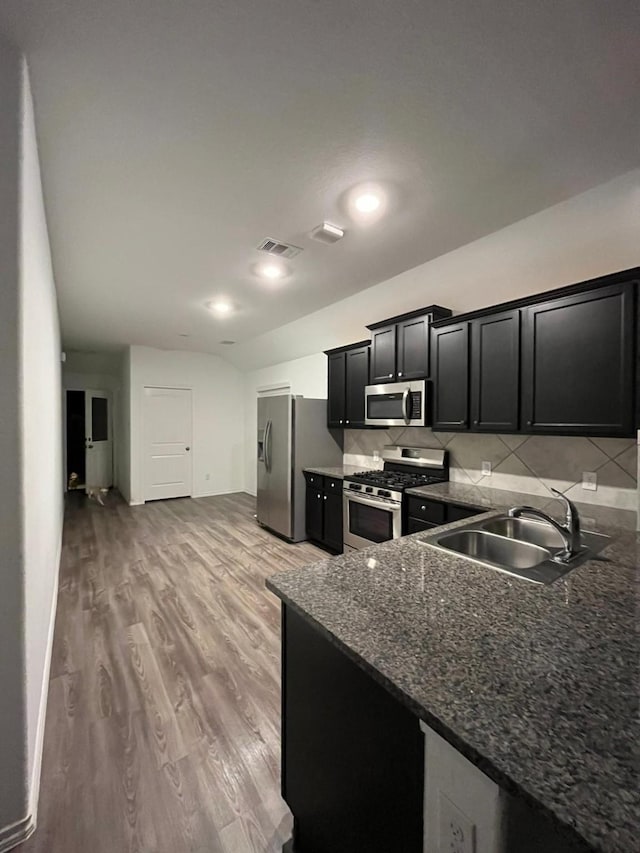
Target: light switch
<point x="486" y="469"/>
<point x="590" y="481"/>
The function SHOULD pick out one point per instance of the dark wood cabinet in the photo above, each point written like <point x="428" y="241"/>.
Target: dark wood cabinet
<point x="357" y="378"/>
<point x="352" y="754"/>
<point x="578" y="363"/>
<point x="426" y="513"/>
<point x="323" y="511"/>
<point x="561" y="363"/>
<point x="495" y="372"/>
<point x="336" y="395"/>
<point x="332" y="531"/>
<point x="450" y="373"/>
<point x="400" y="345"/>
<point x="347" y="377"/>
<point x="383" y="355"/>
<point x="413" y="348"/>
<point x="314" y="513"/>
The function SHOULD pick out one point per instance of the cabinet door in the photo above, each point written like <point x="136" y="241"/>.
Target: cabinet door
<point x="413" y="348"/>
<point x="336" y="389"/>
<point x="333" y="520"/>
<point x="383" y="355"/>
<point x="357" y="378"/>
<point x="314" y="514"/>
<point x="415" y="525"/>
<point x="577" y="363"/>
<point x="450" y="374"/>
<point x="495" y="372"/>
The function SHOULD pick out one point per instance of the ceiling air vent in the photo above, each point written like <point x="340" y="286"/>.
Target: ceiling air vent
<point x="327" y="233"/>
<point x="281" y="250"/>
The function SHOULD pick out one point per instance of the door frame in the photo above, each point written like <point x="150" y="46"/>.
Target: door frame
<point x="141" y="444"/>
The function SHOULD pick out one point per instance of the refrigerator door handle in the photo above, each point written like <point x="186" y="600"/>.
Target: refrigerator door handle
<point x="267" y="446"/>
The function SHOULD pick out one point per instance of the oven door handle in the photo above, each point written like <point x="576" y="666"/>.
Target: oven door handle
<point x="379" y="503"/>
<point x="405" y="404"/>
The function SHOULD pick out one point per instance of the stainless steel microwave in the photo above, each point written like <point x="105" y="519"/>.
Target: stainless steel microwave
<point x="396" y="404"/>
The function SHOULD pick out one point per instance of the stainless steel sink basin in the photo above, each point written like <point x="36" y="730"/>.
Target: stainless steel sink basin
<point x="490" y="548"/>
<point x="521" y="547"/>
<point x="525" y="529"/>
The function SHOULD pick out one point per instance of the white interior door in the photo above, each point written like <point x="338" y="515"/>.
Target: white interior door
<point x="99" y="440"/>
<point x="167" y="443"/>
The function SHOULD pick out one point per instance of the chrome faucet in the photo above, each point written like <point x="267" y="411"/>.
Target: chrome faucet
<point x="570" y="531"/>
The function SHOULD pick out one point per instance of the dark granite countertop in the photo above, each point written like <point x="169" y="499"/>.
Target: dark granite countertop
<point x="539" y="686"/>
<point x="338" y="472"/>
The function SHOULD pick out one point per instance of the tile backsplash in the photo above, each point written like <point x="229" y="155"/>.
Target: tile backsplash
<point x="525" y="463"/>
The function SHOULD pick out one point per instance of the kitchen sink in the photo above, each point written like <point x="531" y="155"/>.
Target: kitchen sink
<point x="521" y="547"/>
<point x="526" y="530"/>
<point x="498" y="550"/>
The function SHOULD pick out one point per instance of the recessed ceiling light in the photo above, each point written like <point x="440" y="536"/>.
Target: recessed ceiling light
<point x="271" y="270"/>
<point x="367" y="202"/>
<point x="221" y="307"/>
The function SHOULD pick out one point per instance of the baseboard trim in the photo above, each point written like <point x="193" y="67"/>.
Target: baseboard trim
<point x="16" y="833"/>
<point x="34" y="791"/>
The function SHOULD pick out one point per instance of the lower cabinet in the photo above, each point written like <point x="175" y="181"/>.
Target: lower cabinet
<point x="352" y="754"/>
<point x="426" y="513"/>
<point x="324" y="511"/>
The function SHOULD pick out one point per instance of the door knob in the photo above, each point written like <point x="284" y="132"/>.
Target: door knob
<point x="187" y="448"/>
<point x="90" y="446"/>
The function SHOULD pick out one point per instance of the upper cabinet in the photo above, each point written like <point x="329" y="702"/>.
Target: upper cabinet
<point x="578" y="372"/>
<point x="450" y="374"/>
<point x="400" y="345"/>
<point x="348" y="374"/>
<point x="561" y="363"/>
<point x="495" y="372"/>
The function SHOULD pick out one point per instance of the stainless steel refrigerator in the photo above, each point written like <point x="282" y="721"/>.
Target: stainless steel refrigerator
<point x="292" y="436"/>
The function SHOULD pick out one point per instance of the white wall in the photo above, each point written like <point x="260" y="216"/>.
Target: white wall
<point x="14" y="787"/>
<point x="218" y="416"/>
<point x="42" y="438"/>
<point x="30" y="450"/>
<point x="123" y="461"/>
<point x="306" y="376"/>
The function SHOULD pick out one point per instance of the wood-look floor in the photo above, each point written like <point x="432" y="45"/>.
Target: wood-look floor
<point x="163" y="722"/>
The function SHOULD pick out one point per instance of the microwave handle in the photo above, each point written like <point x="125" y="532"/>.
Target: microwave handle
<point x="405" y="405"/>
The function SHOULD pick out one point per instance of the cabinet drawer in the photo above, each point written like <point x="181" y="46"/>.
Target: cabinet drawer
<point x="316" y="481"/>
<point x="416" y="525"/>
<point x="426" y="510"/>
<point x="457" y="513"/>
<point x="332" y="485"/>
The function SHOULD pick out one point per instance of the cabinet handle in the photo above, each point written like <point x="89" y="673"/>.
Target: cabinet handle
<point x="346" y="422"/>
<point x="319" y="496"/>
<point x="475" y="423"/>
<point x="399" y="373"/>
<point x="325" y="497"/>
<point x="529" y="423"/>
<point x="391" y="376"/>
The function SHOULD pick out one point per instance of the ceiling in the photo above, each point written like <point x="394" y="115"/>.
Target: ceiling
<point x="174" y="137"/>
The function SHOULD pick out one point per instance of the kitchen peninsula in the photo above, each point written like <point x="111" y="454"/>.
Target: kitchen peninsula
<point x="537" y="687"/>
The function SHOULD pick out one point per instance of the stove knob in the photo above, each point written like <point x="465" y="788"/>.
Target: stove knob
<point x="384" y="493"/>
<point x="368" y="489"/>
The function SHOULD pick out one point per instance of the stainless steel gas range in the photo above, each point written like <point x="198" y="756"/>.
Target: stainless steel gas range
<point x="372" y="503"/>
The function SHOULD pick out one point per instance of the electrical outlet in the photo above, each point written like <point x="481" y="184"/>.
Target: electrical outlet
<point x="486" y="469"/>
<point x="589" y="481"/>
<point x="457" y="831"/>
<point x="376" y="456"/>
